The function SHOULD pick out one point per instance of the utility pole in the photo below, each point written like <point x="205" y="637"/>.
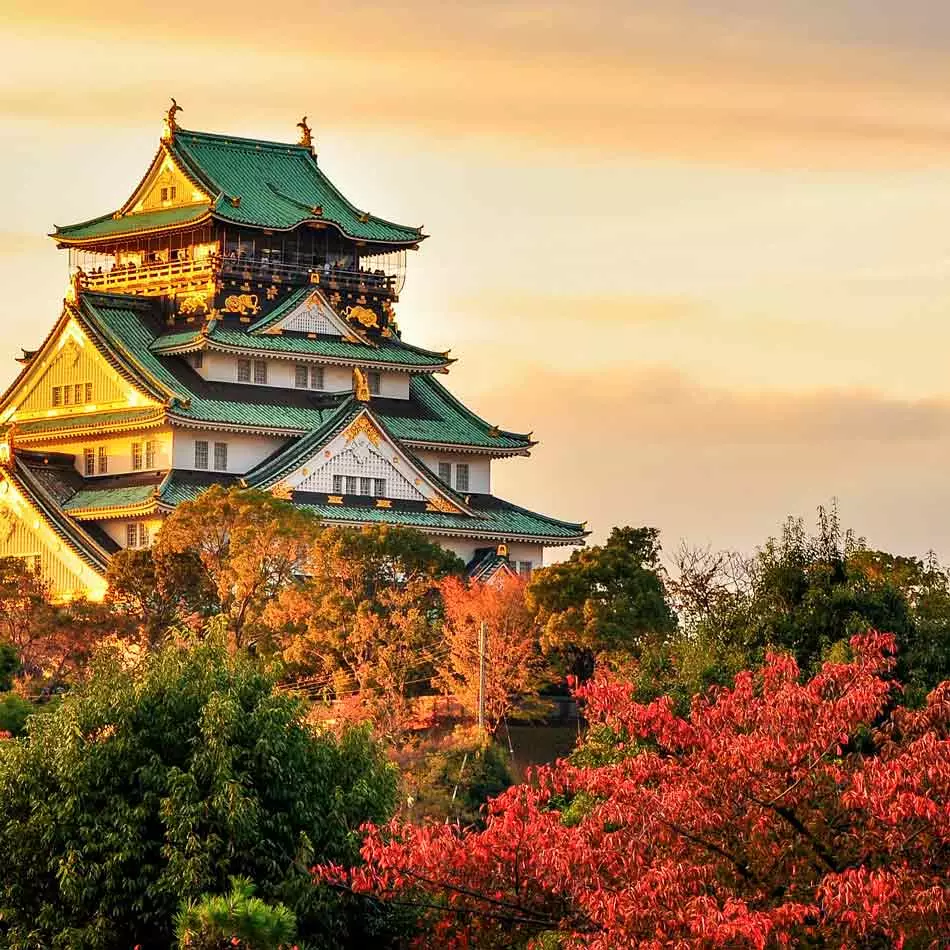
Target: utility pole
<point x="481" y="678"/>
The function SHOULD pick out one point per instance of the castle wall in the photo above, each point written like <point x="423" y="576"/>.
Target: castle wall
<point x="479" y="468"/>
<point x="244" y="451"/>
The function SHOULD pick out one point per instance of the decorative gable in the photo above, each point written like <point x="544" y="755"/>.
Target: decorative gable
<point x="71" y="375"/>
<point x="313" y="315"/>
<point x="165" y="186"/>
<point x="364" y="460"/>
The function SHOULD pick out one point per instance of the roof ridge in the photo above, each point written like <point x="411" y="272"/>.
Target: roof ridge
<point x="240" y="141"/>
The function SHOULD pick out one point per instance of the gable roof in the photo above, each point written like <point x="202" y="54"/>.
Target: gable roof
<point x="255" y="183"/>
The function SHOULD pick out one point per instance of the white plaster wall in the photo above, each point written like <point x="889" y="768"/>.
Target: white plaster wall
<point x="244" y="451"/>
<point x="115" y="528"/>
<point x="119" y="450"/>
<point x="479" y="468"/>
<point x="222" y="367"/>
<point x="517" y="551"/>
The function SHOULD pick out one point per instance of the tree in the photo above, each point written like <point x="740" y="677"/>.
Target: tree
<point x="603" y="601"/>
<point x="154" y="783"/>
<point x="362" y="625"/>
<point x="249" y="544"/>
<point x="218" y="922"/>
<point x="512" y="656"/>
<point x="155" y="591"/>
<point x="778" y="813"/>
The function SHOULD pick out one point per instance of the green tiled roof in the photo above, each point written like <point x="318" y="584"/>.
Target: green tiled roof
<point x="387" y="352"/>
<point x="110" y="226"/>
<point x="127" y="326"/>
<point x="496" y="520"/>
<point x="98" y="421"/>
<point x="278" y="186"/>
<point x="89" y="499"/>
<point x="256" y="183"/>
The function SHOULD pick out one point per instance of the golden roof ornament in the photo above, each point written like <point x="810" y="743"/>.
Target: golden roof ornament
<point x="75" y="286"/>
<point x="306" y="133"/>
<point x="170" y="126"/>
<point x="360" y="385"/>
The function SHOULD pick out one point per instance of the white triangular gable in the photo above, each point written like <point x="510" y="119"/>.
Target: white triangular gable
<point x="70" y="375"/>
<point x="24" y="534"/>
<point x="364" y="451"/>
<point x="165" y="186"/>
<point x="313" y="315"/>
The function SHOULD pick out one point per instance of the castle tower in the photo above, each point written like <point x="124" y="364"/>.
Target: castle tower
<point x="234" y="322"/>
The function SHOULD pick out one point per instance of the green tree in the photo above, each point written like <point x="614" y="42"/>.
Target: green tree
<point x="604" y="601"/>
<point x="364" y="622"/>
<point x="250" y="545"/>
<point x="155" y="591"/>
<point x="216" y="921"/>
<point x="154" y="784"/>
<point x="9" y="665"/>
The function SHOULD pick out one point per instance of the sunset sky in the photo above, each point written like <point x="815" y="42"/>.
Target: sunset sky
<point x="700" y="247"/>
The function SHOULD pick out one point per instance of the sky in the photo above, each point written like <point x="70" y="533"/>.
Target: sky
<point x="700" y="247"/>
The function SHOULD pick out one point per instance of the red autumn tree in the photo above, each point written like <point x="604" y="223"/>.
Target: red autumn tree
<point x="778" y="813"/>
<point x="512" y="656"/>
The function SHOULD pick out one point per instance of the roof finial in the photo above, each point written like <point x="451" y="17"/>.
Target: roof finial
<point x="306" y="133"/>
<point x="171" y="124"/>
<point x="360" y="385"/>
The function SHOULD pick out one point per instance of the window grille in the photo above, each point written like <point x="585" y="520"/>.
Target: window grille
<point x="445" y="472"/>
<point x="366" y="486"/>
<point x="461" y="476"/>
<point x="525" y="568"/>
<point x="351" y="487"/>
<point x="337" y="484"/>
<point x="201" y="454"/>
<point x="77" y="392"/>
<point x="375" y="382"/>
<point x="103" y="460"/>
<point x="131" y="535"/>
<point x="57" y="395"/>
<point x="88" y="462"/>
<point x="243" y="371"/>
<point x="67" y="395"/>
<point x="198" y="359"/>
<point x="150" y="454"/>
<point x="389" y="482"/>
<point x="88" y="392"/>
<point x="316" y="377"/>
<point x="143" y="535"/>
<point x="379" y="487"/>
<point x="221" y="456"/>
<point x="260" y="372"/>
<point x="300" y="376"/>
<point x="136" y="456"/>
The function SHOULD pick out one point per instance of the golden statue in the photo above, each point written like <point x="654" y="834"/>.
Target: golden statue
<point x="360" y="385"/>
<point x="306" y="135"/>
<point x="171" y="123"/>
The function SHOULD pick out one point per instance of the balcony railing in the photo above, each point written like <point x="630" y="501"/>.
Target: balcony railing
<point x="129" y="277"/>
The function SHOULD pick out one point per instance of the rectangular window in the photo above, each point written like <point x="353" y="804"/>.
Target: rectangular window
<point x="201" y="454"/>
<point x="57" y="395"/>
<point x="379" y="487"/>
<point x="88" y="462"/>
<point x="136" y="456"/>
<point x="300" y="376"/>
<point x="244" y="371"/>
<point x="375" y="382"/>
<point x="164" y="194"/>
<point x="260" y="372"/>
<point x="172" y="192"/>
<point x="197" y="360"/>
<point x="131" y="535"/>
<point x="316" y="377"/>
<point x="366" y="486"/>
<point x="103" y="460"/>
<point x="67" y="395"/>
<point x="525" y="568"/>
<point x="77" y="392"/>
<point x="337" y="484"/>
<point x="461" y="476"/>
<point x="445" y="472"/>
<point x="351" y="486"/>
<point x="150" y="454"/>
<point x="88" y="392"/>
<point x="143" y="536"/>
<point x="221" y="456"/>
